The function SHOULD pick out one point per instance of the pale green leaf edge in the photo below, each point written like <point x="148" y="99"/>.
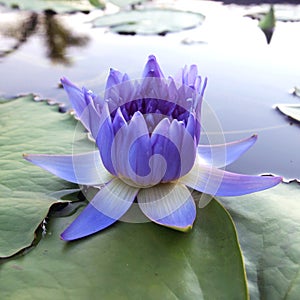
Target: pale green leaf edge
<point x="290" y="110"/>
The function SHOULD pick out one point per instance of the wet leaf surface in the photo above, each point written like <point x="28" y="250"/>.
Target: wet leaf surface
<point x="130" y="261"/>
<point x="188" y="266"/>
<point x="268" y="225"/>
<point x="26" y="190"/>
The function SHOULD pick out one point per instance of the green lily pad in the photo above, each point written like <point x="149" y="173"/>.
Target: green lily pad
<point x="25" y="192"/>
<point x="133" y="261"/>
<point x="126" y="261"/>
<point x="149" y="21"/>
<point x="59" y="6"/>
<point x="290" y="110"/>
<point x="268" y="21"/>
<point x="268" y="225"/>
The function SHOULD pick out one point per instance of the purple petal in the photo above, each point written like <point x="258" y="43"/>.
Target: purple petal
<point x="90" y="117"/>
<point x="213" y="181"/>
<point x="115" y="77"/>
<point x="139" y="155"/>
<point x="223" y="155"/>
<point x="203" y="87"/>
<point x="132" y="149"/>
<point x="105" y="139"/>
<point x="186" y="146"/>
<point x="118" y="121"/>
<point x="82" y="102"/>
<point x="86" y="168"/>
<point x="190" y="76"/>
<point x="76" y="96"/>
<point x="152" y="68"/>
<point x="109" y="205"/>
<point x="190" y="125"/>
<point x="169" y="204"/>
<point x="131" y="153"/>
<point x="172" y="90"/>
<point x="163" y="145"/>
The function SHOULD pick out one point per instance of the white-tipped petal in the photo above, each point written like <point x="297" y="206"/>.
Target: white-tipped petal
<point x="213" y="181"/>
<point x="168" y="204"/>
<point x="108" y="206"/>
<point x="222" y="155"/>
<point x="86" y="168"/>
<point x="134" y="162"/>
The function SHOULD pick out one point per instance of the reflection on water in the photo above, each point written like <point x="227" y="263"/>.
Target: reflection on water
<point x="57" y="38"/>
<point x="247" y="77"/>
<point x="20" y="33"/>
<point x="268" y="34"/>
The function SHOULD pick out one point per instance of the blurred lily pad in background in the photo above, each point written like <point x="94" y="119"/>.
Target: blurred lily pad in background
<point x="295" y="91"/>
<point x="149" y="21"/>
<point x="267" y="24"/>
<point x="283" y="13"/>
<point x="59" y="6"/>
<point x="292" y="110"/>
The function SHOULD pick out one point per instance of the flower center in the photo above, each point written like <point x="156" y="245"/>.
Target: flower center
<point x="154" y="110"/>
<point x="135" y="184"/>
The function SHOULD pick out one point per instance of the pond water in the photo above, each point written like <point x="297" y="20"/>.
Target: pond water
<point x="247" y="76"/>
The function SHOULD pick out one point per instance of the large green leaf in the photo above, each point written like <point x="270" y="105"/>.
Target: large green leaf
<point x="25" y="192"/>
<point x="56" y="5"/>
<point x="149" y="21"/>
<point x="268" y="224"/>
<point x="133" y="261"/>
<point x="127" y="261"/>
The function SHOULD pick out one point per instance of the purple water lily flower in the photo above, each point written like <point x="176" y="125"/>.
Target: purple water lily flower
<point x="147" y="134"/>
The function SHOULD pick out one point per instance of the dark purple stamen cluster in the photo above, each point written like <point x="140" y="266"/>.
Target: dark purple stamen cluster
<point x="153" y="106"/>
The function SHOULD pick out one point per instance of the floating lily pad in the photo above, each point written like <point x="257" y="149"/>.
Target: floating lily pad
<point x="26" y="190"/>
<point x="295" y="91"/>
<point x="149" y="21"/>
<point x="55" y="5"/>
<point x="290" y="110"/>
<point x="133" y="261"/>
<point x="283" y="13"/>
<point x="268" y="21"/>
<point x="268" y="224"/>
<point x="267" y="24"/>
